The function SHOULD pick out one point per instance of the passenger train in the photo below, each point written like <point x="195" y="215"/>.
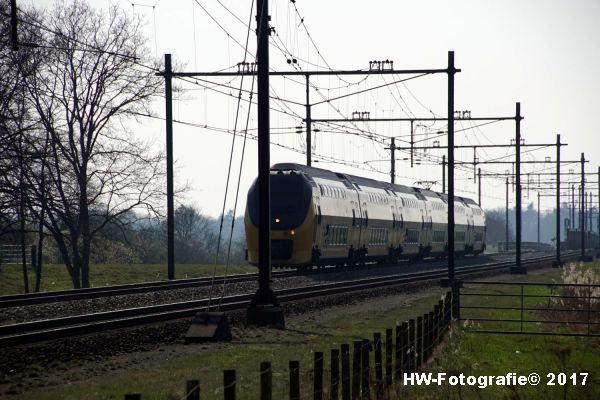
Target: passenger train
<point x="321" y="217"/>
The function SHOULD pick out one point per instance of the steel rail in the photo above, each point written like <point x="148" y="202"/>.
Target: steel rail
<point x="43" y="330"/>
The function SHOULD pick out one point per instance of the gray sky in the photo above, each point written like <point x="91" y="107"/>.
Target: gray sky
<point x="543" y="53"/>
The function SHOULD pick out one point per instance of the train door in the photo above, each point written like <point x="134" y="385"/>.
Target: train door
<point x="318" y="237"/>
<point x="363" y="239"/>
<point x="354" y="237"/>
<point x="423" y="230"/>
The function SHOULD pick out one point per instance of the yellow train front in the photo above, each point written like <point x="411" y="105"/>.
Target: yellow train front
<point x="292" y="220"/>
<point x="320" y="217"/>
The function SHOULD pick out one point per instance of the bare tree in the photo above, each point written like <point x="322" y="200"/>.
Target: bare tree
<point x="16" y="123"/>
<point x="90" y="79"/>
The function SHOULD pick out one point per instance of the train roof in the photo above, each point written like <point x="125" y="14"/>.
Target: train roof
<point x="346" y="179"/>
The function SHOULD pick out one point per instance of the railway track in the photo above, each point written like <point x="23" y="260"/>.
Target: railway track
<point x="37" y="331"/>
<point x="19" y="300"/>
<point x="118" y="290"/>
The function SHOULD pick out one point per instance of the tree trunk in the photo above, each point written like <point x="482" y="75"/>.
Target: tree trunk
<point x="76" y="265"/>
<point x="84" y="223"/>
<point x="22" y="218"/>
<point x="38" y="276"/>
<point x="85" y="271"/>
<point x="75" y="274"/>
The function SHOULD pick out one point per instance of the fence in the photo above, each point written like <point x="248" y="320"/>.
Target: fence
<point x="11" y="254"/>
<point x="530" y="308"/>
<point x="352" y="374"/>
<point x="525" y="246"/>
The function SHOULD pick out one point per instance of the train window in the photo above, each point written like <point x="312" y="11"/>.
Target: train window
<point x="401" y="221"/>
<point x="439" y="236"/>
<point x="319" y="215"/>
<point x="366" y="218"/>
<point x="322" y="190"/>
<point x="412" y="236"/>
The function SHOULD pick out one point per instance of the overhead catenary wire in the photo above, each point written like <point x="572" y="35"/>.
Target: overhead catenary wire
<point x="237" y="192"/>
<point x="229" y="174"/>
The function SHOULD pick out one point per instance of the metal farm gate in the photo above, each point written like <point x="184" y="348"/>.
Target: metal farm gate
<point x="529" y="308"/>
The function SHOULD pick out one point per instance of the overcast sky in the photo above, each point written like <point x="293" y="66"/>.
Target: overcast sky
<point x="542" y="53"/>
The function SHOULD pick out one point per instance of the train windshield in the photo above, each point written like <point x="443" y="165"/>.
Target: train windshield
<point x="290" y="200"/>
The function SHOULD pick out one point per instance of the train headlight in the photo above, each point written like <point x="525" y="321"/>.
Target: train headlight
<point x="277" y="220"/>
<point x="292" y="232"/>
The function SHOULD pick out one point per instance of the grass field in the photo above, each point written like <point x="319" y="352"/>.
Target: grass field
<point x="56" y="277"/>
<point x="160" y="374"/>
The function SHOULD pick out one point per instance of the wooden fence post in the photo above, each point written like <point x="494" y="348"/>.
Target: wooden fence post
<point x="398" y="366"/>
<point x="440" y="322"/>
<point x="229" y="382"/>
<point x="419" y="340"/>
<point x="455" y="300"/>
<point x="404" y="349"/>
<point x="294" y="380"/>
<point x="365" y="384"/>
<point x="378" y="366"/>
<point x="426" y="329"/>
<point x="318" y="376"/>
<point x="356" y="375"/>
<point x="412" y="345"/>
<point x="436" y="324"/>
<point x="431" y="334"/>
<point x="266" y="381"/>
<point x="448" y="309"/>
<point x="346" y="371"/>
<point x="192" y="390"/>
<point x="335" y="375"/>
<point x="388" y="357"/>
